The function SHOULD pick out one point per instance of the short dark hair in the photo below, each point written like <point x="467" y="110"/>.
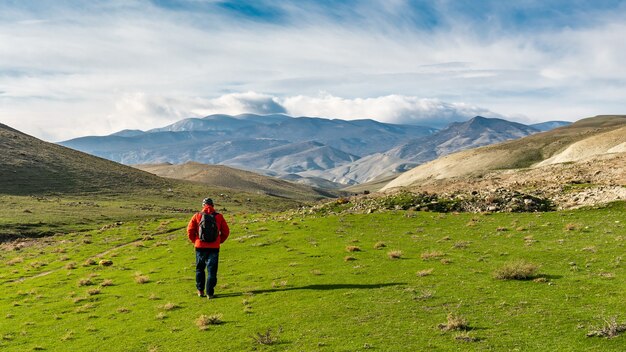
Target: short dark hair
<point x="207" y="201"/>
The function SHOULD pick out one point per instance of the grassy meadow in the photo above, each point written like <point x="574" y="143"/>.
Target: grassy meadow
<point x="291" y="281"/>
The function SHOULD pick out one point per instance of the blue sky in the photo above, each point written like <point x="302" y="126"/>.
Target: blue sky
<point x="72" y="68"/>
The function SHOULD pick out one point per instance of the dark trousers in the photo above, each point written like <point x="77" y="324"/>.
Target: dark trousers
<point x="207" y="258"/>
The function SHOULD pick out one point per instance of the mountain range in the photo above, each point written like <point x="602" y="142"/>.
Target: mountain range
<point x="596" y="137"/>
<point x="308" y="150"/>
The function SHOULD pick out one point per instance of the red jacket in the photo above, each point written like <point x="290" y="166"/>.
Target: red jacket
<point x="222" y="227"/>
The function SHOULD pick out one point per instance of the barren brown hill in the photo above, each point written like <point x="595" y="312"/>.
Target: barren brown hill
<point x="31" y="166"/>
<point x="586" y="138"/>
<point x="231" y="178"/>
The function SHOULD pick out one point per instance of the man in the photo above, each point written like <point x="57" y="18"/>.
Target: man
<point x="207" y="249"/>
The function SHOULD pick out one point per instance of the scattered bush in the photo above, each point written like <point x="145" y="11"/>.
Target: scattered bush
<point x="105" y="262"/>
<point x="380" y="245"/>
<point x="395" y="254"/>
<point x="93" y="292"/>
<point x="267" y="338"/>
<point x="170" y="306"/>
<point x="85" y="282"/>
<point x="353" y="249"/>
<point x="107" y="282"/>
<point x="610" y="329"/>
<point x="455" y="322"/>
<point x="516" y="270"/>
<point x="348" y="258"/>
<point x="141" y="279"/>
<point x="204" y="321"/>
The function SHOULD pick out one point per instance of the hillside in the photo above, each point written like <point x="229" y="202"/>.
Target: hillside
<point x="235" y="179"/>
<point x="31" y="166"/>
<point x="589" y="152"/>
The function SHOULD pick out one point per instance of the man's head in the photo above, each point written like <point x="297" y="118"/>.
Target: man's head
<point x="207" y="201"/>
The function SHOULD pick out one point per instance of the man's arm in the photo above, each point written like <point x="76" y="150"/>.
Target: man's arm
<point x="192" y="229"/>
<point x="224" y="230"/>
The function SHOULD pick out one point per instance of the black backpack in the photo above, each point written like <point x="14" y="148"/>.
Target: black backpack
<point x="207" y="231"/>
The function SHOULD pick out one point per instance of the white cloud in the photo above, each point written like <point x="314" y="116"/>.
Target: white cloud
<point x="66" y="73"/>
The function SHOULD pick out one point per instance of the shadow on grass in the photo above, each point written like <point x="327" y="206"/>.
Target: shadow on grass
<point x="320" y="287"/>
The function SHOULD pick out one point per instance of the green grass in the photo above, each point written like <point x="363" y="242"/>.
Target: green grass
<point x="49" y="214"/>
<point x="283" y="280"/>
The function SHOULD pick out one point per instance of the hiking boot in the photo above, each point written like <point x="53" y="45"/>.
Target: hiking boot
<point x="201" y="293"/>
<point x="211" y="296"/>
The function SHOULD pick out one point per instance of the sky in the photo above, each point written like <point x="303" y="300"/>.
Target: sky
<point x="71" y="68"/>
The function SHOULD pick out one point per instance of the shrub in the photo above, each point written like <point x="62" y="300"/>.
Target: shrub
<point x="170" y="306"/>
<point x="610" y="329"/>
<point x="85" y="282"/>
<point x="353" y="249"/>
<point x="516" y="270"/>
<point x="455" y="322"/>
<point x="107" y="282"/>
<point x="141" y="279"/>
<point x="394" y="254"/>
<point x="105" y="262"/>
<point x="380" y="245"/>
<point x="349" y="258"/>
<point x="267" y="338"/>
<point x="204" y="321"/>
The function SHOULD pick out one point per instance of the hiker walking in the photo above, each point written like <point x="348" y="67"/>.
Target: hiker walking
<point x="207" y="230"/>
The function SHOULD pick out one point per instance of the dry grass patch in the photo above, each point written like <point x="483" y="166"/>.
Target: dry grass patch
<point x="455" y="322"/>
<point x="516" y="270"/>
<point x="107" y="282"/>
<point x="93" y="291"/>
<point x="316" y="272"/>
<point x="141" y="279"/>
<point x="353" y="249"/>
<point x="380" y="245"/>
<point x="105" y="262"/>
<point x="170" y="306"/>
<point x="432" y="255"/>
<point x="610" y="329"/>
<point x="203" y="321"/>
<point x="85" y="282"/>
<point x="14" y="261"/>
<point x="348" y="258"/>
<point x="571" y="227"/>
<point x="396" y="254"/>
<point x="123" y="310"/>
<point x="425" y="272"/>
<point x="70" y="266"/>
